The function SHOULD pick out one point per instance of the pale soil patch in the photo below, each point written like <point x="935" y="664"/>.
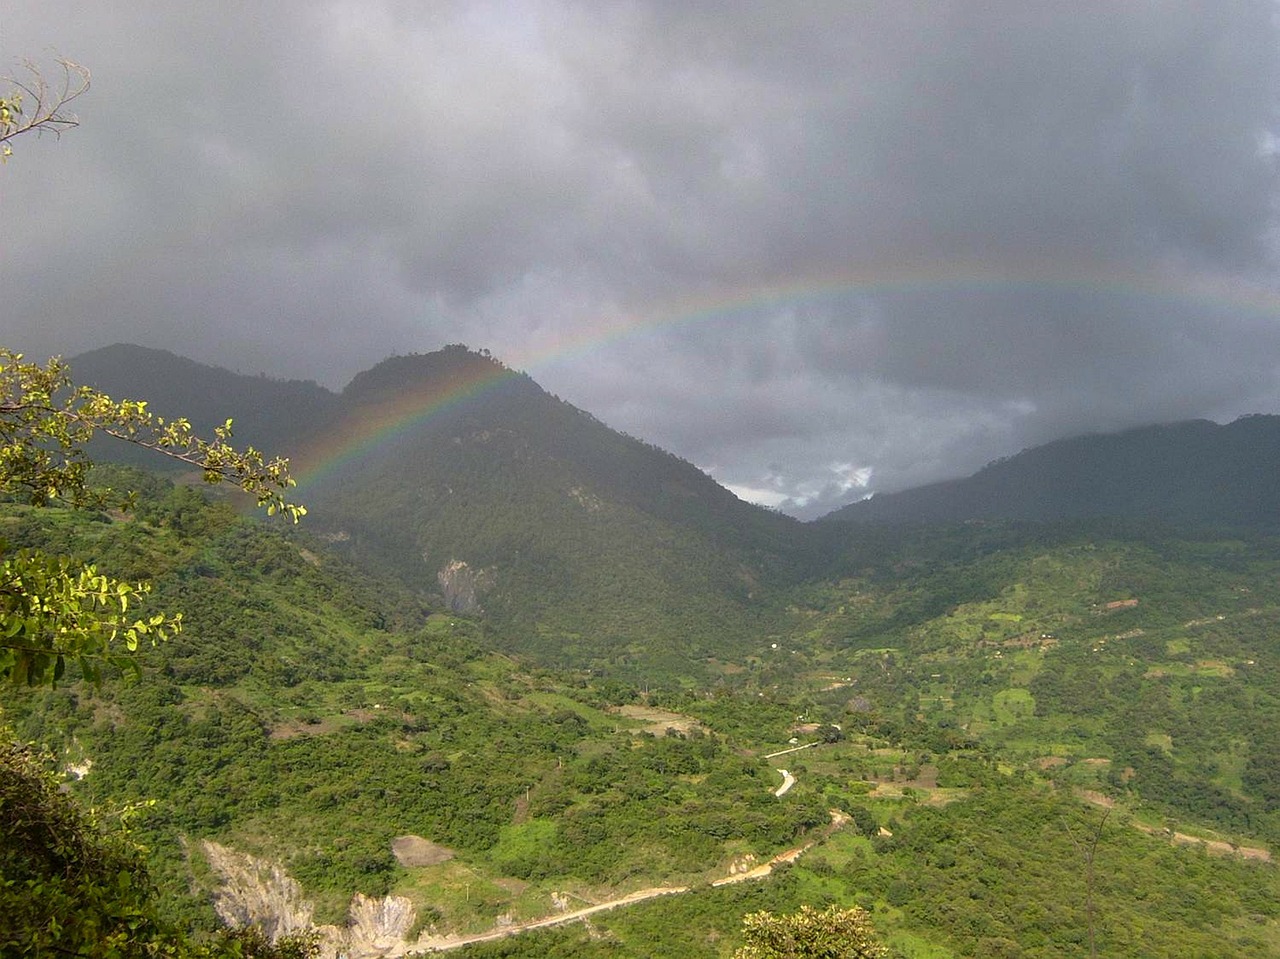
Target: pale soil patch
<point x="105" y="713"/>
<point x="658" y="720"/>
<point x="514" y="886"/>
<point x="928" y="797"/>
<point x="944" y="795"/>
<point x="1050" y="762"/>
<point x="926" y="779"/>
<point x="293" y="728"/>
<point x="414" y="852"/>
<point x="1214" y="847"/>
<point x="1215" y="666"/>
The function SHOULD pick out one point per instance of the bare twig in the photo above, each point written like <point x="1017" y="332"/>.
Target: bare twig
<point x="32" y="104"/>
<point x="1088" y="848"/>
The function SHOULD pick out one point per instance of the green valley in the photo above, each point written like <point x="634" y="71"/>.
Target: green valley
<point x="1000" y="737"/>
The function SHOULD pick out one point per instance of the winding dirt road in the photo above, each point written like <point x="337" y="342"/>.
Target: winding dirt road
<point x="445" y="943"/>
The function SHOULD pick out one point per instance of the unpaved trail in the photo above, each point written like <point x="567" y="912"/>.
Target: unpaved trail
<point x="1214" y="847"/>
<point x="788" y="781"/>
<point x="759" y="872"/>
<point x="446" y="943"/>
<point x="793" y="749"/>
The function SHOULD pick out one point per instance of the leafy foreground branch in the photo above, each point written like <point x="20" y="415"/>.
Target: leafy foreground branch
<point x="69" y="884"/>
<point x="32" y="106"/>
<point x="52" y="610"/>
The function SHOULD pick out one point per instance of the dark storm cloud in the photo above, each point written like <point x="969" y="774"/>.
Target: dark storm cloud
<point x="992" y="214"/>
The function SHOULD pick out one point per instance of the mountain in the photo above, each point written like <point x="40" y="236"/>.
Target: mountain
<point x="578" y="542"/>
<point x="268" y="413"/>
<point x="468" y="482"/>
<point x="1192" y="472"/>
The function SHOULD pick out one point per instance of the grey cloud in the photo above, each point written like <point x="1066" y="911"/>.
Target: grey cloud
<point x="991" y="215"/>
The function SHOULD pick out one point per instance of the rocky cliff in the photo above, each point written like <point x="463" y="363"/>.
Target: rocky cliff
<point x="259" y="892"/>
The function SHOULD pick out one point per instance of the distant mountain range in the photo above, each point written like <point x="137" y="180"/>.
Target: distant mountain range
<point x="1189" y="471"/>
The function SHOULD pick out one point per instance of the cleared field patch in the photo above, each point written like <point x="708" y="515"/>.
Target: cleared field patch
<point x="414" y="852"/>
<point x="658" y="721"/>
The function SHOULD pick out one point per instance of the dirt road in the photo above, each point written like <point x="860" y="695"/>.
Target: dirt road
<point x="788" y="781"/>
<point x="445" y="943"/>
<point x="1215" y="847"/>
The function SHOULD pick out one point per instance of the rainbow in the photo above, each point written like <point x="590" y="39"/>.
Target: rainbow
<point x="382" y="423"/>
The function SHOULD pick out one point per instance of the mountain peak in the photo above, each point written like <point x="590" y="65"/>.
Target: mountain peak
<point x="455" y="363"/>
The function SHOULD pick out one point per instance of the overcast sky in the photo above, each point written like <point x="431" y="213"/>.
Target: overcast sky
<point x="818" y="249"/>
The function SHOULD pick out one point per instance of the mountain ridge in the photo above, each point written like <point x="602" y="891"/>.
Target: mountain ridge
<point x="1192" y="471"/>
<point x="472" y="485"/>
<point x="484" y="490"/>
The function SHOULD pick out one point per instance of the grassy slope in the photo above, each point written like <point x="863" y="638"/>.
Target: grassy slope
<point x="306" y="697"/>
<point x="1134" y="661"/>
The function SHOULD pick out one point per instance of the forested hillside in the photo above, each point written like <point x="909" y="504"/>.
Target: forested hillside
<point x="304" y="697"/>
<point x="483" y="492"/>
<point x="978" y="697"/>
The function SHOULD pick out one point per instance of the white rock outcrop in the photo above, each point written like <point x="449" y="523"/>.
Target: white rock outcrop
<point x="256" y="892"/>
<point x="259" y="892"/>
<point x="376" y="927"/>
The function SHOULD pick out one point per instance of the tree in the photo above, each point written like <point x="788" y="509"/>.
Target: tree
<point x="53" y="610"/>
<point x="57" y="865"/>
<point x="31" y="105"/>
<point x="834" y="933"/>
